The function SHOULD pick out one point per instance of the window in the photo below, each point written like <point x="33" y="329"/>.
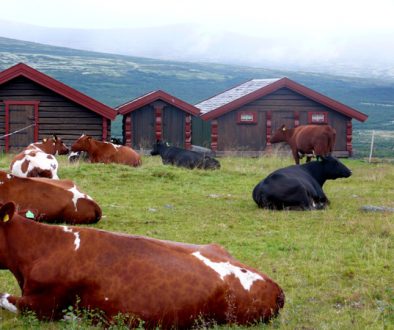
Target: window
<point x="317" y="117"/>
<point x="247" y="117"/>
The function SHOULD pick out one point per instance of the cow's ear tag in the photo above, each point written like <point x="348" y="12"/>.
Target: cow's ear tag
<point x="29" y="214"/>
<point x="6" y="218"/>
<point x="167" y="144"/>
<point x="44" y="140"/>
<point x="283" y="129"/>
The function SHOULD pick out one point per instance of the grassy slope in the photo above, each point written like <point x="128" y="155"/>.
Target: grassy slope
<point x="335" y="266"/>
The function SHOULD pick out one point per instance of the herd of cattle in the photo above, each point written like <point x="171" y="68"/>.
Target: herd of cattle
<point x="162" y="283"/>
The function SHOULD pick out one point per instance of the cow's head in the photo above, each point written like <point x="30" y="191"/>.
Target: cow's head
<point x="279" y="135"/>
<point x="334" y="169"/>
<point x="211" y="163"/>
<point x="7" y="212"/>
<point x="158" y="147"/>
<point x="54" y="146"/>
<point x="82" y="144"/>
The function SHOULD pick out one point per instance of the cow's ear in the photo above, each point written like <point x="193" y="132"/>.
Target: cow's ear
<point x="7" y="212"/>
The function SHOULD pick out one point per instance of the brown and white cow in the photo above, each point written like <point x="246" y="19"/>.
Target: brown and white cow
<point x="163" y="283"/>
<point x="309" y="140"/>
<point x="106" y="152"/>
<point x="48" y="200"/>
<point x="37" y="159"/>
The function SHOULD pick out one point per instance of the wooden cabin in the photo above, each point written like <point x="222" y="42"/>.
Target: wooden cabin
<point x="157" y="116"/>
<point x="243" y="118"/>
<point x="34" y="106"/>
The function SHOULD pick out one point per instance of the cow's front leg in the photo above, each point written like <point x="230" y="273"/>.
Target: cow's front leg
<point x="44" y="306"/>
<point x="9" y="302"/>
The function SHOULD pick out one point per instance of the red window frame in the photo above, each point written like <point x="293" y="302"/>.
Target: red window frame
<point x="324" y="119"/>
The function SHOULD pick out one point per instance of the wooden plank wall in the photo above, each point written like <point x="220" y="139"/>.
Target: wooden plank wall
<point x="57" y="114"/>
<point x="282" y="104"/>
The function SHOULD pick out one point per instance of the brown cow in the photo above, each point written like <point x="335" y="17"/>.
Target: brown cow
<point x="309" y="140"/>
<point x="48" y="200"/>
<point x="37" y="159"/>
<point x="163" y="283"/>
<point x="106" y="152"/>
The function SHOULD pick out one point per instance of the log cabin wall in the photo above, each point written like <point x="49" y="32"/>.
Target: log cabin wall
<point x="56" y="113"/>
<point x="286" y="107"/>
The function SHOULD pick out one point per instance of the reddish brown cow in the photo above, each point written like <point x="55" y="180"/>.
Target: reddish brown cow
<point x="37" y="159"/>
<point x="49" y="200"/>
<point x="106" y="152"/>
<point x="310" y="140"/>
<point x="163" y="283"/>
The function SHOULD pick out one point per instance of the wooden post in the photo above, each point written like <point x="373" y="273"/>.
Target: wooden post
<point x="105" y="129"/>
<point x="128" y="130"/>
<point x="188" y="131"/>
<point x="158" y="120"/>
<point x="214" y="134"/>
<point x="296" y="118"/>
<point x="349" y="147"/>
<point x="268" y="133"/>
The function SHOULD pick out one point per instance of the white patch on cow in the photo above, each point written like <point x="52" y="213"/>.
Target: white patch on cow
<point x="77" y="195"/>
<point x="39" y="160"/>
<point x="116" y="146"/>
<point x="9" y="176"/>
<point x="4" y="303"/>
<point x="106" y="299"/>
<point x="1" y="182"/>
<point x="246" y="277"/>
<point x="77" y="240"/>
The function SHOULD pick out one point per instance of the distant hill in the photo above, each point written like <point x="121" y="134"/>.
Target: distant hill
<point x="114" y="79"/>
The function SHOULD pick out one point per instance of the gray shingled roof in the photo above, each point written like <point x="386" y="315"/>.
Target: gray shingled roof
<point x="234" y="94"/>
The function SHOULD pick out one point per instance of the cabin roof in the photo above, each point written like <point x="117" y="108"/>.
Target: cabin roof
<point x="153" y="96"/>
<point x="254" y="89"/>
<point x="58" y="87"/>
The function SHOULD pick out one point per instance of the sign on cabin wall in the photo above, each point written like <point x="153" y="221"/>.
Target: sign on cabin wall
<point x="247" y="117"/>
<point x="317" y="117"/>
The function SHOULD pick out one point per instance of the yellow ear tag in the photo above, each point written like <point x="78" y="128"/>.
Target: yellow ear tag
<point x="44" y="140"/>
<point x="283" y="129"/>
<point x="6" y="218"/>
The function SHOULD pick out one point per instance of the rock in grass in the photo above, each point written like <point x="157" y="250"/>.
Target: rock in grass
<point x="372" y="208"/>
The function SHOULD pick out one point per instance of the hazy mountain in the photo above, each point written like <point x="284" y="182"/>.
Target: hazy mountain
<point x="115" y="79"/>
<point x="359" y="57"/>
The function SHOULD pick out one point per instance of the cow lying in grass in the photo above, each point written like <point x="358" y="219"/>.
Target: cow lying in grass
<point x="309" y="140"/>
<point x="106" y="152"/>
<point x="38" y="160"/>
<point x="299" y="187"/>
<point x="164" y="284"/>
<point x="49" y="200"/>
<point x="184" y="158"/>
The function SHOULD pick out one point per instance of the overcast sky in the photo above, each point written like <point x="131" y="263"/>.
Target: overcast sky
<point x="253" y="17"/>
<point x="359" y="32"/>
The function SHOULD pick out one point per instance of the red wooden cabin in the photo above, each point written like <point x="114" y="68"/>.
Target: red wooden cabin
<point x="34" y="106"/>
<point x="243" y="118"/>
<point x="157" y="116"/>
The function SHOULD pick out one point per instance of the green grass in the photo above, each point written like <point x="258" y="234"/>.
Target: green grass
<point x="335" y="265"/>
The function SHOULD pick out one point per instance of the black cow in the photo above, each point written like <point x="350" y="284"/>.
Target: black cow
<point x="299" y="187"/>
<point x="184" y="158"/>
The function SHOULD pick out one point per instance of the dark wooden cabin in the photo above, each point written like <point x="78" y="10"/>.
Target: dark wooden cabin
<point x="244" y="118"/>
<point x="157" y="116"/>
<point x="34" y="106"/>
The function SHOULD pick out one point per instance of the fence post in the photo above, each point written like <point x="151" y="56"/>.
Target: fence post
<point x="372" y="142"/>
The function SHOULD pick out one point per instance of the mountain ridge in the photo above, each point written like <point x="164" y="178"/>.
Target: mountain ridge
<point x="114" y="79"/>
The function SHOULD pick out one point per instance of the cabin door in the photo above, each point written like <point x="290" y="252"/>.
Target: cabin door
<point x="174" y="126"/>
<point x="22" y="128"/>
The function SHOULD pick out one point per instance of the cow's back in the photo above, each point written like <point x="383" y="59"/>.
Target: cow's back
<point x="182" y="275"/>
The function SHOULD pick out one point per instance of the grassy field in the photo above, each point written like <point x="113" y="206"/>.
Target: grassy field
<point x="335" y="265"/>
